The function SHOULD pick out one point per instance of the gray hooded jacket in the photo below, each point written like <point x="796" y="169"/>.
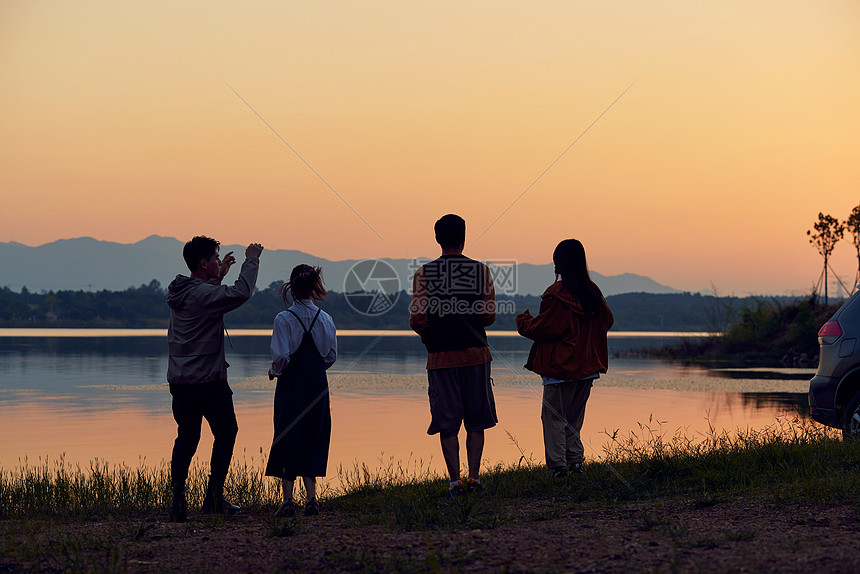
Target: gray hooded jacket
<point x="195" y="334"/>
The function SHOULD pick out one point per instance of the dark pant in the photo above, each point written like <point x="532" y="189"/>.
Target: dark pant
<point x="562" y="415"/>
<point x="191" y="404"/>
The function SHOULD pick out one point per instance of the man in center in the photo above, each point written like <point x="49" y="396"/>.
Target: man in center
<point x="453" y="301"/>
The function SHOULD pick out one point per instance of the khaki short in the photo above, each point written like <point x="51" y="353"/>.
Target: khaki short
<point x="461" y="395"/>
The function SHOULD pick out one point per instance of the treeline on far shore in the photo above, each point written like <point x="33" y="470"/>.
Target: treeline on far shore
<point x="741" y="320"/>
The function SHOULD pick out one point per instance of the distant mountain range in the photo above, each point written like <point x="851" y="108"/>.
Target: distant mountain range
<point x="91" y="265"/>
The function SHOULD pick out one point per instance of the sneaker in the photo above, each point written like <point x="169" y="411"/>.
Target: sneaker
<point x="557" y="471"/>
<point x="178" y="507"/>
<point x="288" y="508"/>
<point x="455" y="489"/>
<point x="575" y="468"/>
<point x="312" y="508"/>
<point x="474" y="486"/>
<point x="217" y="504"/>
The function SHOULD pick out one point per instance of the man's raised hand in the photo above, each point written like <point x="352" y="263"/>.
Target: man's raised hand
<point x="226" y="263"/>
<point x="254" y="250"/>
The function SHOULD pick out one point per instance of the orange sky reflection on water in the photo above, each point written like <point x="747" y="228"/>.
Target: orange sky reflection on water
<point x="370" y="428"/>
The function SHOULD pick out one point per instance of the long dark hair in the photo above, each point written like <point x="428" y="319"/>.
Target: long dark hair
<point x="305" y="283"/>
<point x="570" y="265"/>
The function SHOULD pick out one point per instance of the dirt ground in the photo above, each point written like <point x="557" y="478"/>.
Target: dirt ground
<point x="743" y="535"/>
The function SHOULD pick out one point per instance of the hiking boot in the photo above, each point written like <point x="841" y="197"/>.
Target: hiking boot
<point x="178" y="506"/>
<point x="575" y="468"/>
<point x="474" y="486"/>
<point x="288" y="508"/>
<point x="312" y="508"/>
<point x="455" y="489"/>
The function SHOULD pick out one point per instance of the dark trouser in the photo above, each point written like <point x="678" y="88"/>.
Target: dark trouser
<point x="562" y="415"/>
<point x="191" y="404"/>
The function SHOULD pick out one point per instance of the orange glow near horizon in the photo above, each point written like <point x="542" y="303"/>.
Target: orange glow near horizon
<point x="741" y="126"/>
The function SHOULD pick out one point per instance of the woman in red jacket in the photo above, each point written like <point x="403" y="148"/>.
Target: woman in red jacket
<point x="569" y="353"/>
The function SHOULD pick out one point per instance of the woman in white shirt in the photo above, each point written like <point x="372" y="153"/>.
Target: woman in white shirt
<point x="304" y="345"/>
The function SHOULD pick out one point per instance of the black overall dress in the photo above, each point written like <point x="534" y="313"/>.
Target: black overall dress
<point x="302" y="413"/>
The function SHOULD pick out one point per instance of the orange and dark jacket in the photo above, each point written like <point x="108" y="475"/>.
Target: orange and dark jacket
<point x="569" y="344"/>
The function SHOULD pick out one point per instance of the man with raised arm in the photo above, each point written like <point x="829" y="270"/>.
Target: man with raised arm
<point x="197" y="368"/>
<point x="453" y="300"/>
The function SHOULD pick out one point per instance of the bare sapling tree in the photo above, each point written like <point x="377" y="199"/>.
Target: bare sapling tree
<point x="828" y="232"/>
<point x="720" y="311"/>
<point x="853" y="226"/>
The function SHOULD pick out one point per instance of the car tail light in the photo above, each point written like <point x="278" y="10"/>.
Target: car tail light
<point x="830" y="329"/>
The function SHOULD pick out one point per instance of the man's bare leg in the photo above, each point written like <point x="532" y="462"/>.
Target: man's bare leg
<point x="474" y="451"/>
<point x="451" y="453"/>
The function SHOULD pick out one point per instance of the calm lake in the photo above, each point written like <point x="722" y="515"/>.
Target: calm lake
<point x="102" y="395"/>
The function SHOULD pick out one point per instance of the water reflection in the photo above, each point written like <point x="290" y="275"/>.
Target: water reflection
<point x="798" y="402"/>
<point x="106" y="398"/>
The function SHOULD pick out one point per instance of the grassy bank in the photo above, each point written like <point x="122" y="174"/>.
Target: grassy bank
<point x="792" y="460"/>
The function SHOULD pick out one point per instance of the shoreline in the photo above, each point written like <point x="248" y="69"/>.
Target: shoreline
<point x="42" y="332"/>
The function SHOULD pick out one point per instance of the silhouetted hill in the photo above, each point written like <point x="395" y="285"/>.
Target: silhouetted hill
<point x="91" y="265"/>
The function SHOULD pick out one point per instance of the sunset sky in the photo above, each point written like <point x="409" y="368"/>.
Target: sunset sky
<point x="118" y="121"/>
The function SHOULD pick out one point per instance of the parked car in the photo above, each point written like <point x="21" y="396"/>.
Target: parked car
<point x="834" y="391"/>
